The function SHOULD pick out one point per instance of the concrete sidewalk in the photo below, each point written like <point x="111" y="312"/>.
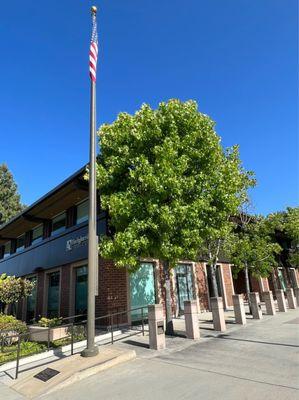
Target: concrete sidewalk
<point x="258" y="361"/>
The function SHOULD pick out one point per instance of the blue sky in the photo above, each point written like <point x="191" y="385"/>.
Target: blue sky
<point x="237" y="58"/>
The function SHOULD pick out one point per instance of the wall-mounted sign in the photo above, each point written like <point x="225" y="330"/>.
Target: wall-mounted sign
<point x="77" y="242"/>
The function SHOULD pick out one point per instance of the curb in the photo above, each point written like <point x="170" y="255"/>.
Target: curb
<point x="83" y="374"/>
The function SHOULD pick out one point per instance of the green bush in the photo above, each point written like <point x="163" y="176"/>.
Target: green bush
<point x="10" y="326"/>
<point x="49" y="322"/>
<point x="10" y="323"/>
<point x="26" y="349"/>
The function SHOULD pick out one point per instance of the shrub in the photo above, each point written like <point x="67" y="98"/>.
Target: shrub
<point x="9" y="326"/>
<point x="27" y="348"/>
<point x="49" y="322"/>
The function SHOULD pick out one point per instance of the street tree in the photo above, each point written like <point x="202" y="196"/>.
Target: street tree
<point x="10" y="203"/>
<point x="164" y="178"/>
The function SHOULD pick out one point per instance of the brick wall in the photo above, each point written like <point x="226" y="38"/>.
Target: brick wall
<point x="265" y="284"/>
<point x="202" y="286"/>
<point x="113" y="289"/>
<point x="228" y="283"/>
<point x="255" y="287"/>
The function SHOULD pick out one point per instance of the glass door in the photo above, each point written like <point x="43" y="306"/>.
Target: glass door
<point x="184" y="285"/>
<point x="81" y="290"/>
<point x="53" y="294"/>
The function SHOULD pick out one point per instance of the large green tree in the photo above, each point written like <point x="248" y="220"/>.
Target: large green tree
<point x="164" y="178"/>
<point x="10" y="203"/>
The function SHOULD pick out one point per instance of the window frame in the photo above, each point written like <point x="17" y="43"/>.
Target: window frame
<point x="36" y="241"/>
<point x="21" y="248"/>
<point x="82" y="218"/>
<point x="61" y="229"/>
<point x="5" y="255"/>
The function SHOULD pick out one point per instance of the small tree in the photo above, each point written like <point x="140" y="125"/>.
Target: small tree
<point x="162" y="177"/>
<point x="13" y="289"/>
<point x="10" y="203"/>
<point x="253" y="250"/>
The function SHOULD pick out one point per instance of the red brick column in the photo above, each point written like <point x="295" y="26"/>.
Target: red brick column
<point x="255" y="287"/>
<point x="203" y="292"/>
<point x="228" y="284"/>
<point x="113" y="290"/>
<point x="265" y="284"/>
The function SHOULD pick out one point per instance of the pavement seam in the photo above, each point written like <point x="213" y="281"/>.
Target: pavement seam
<point x="222" y="374"/>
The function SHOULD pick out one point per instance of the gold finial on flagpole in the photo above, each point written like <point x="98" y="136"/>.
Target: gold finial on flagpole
<point x="93" y="10"/>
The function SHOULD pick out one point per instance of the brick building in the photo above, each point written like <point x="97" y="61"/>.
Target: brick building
<point x="47" y="243"/>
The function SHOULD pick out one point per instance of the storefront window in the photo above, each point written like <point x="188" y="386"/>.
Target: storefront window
<point x="53" y="294"/>
<point x="183" y="284"/>
<point x="58" y="224"/>
<point x="20" y="243"/>
<point x="81" y="290"/>
<point x="82" y="212"/>
<point x="7" y="248"/>
<point x="31" y="301"/>
<point x="37" y="234"/>
<point x="142" y="289"/>
<point x="281" y="280"/>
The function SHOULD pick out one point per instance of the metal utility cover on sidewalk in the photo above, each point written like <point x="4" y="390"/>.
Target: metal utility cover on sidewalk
<point x="46" y="374"/>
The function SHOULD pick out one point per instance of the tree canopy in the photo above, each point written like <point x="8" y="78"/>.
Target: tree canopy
<point x="285" y="231"/>
<point x="10" y="203"/>
<point x="253" y="248"/>
<point x="166" y="183"/>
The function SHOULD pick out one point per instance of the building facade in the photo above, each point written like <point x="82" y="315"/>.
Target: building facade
<point x="47" y="243"/>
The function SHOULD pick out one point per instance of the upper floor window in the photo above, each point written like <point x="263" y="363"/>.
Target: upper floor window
<point x="37" y="234"/>
<point x="58" y="224"/>
<point x="7" y="248"/>
<point x="20" y="243"/>
<point x="82" y="212"/>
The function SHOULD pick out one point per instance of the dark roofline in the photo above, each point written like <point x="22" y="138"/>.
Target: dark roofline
<point x="50" y="193"/>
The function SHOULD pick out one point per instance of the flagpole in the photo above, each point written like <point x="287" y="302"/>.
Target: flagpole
<point x="91" y="349"/>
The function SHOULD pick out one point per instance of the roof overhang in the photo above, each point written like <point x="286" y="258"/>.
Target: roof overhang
<point x="71" y="191"/>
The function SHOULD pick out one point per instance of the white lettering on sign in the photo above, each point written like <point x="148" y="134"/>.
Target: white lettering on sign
<point x="77" y="242"/>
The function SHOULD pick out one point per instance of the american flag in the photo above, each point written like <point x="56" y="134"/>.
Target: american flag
<point x="93" y="51"/>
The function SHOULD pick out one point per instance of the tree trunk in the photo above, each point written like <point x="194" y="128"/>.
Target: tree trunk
<point x="169" y="322"/>
<point x="247" y="285"/>
<point x="214" y="281"/>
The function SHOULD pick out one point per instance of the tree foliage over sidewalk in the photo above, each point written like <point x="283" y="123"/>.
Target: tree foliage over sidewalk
<point x="166" y="183"/>
<point x="10" y="203"/>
